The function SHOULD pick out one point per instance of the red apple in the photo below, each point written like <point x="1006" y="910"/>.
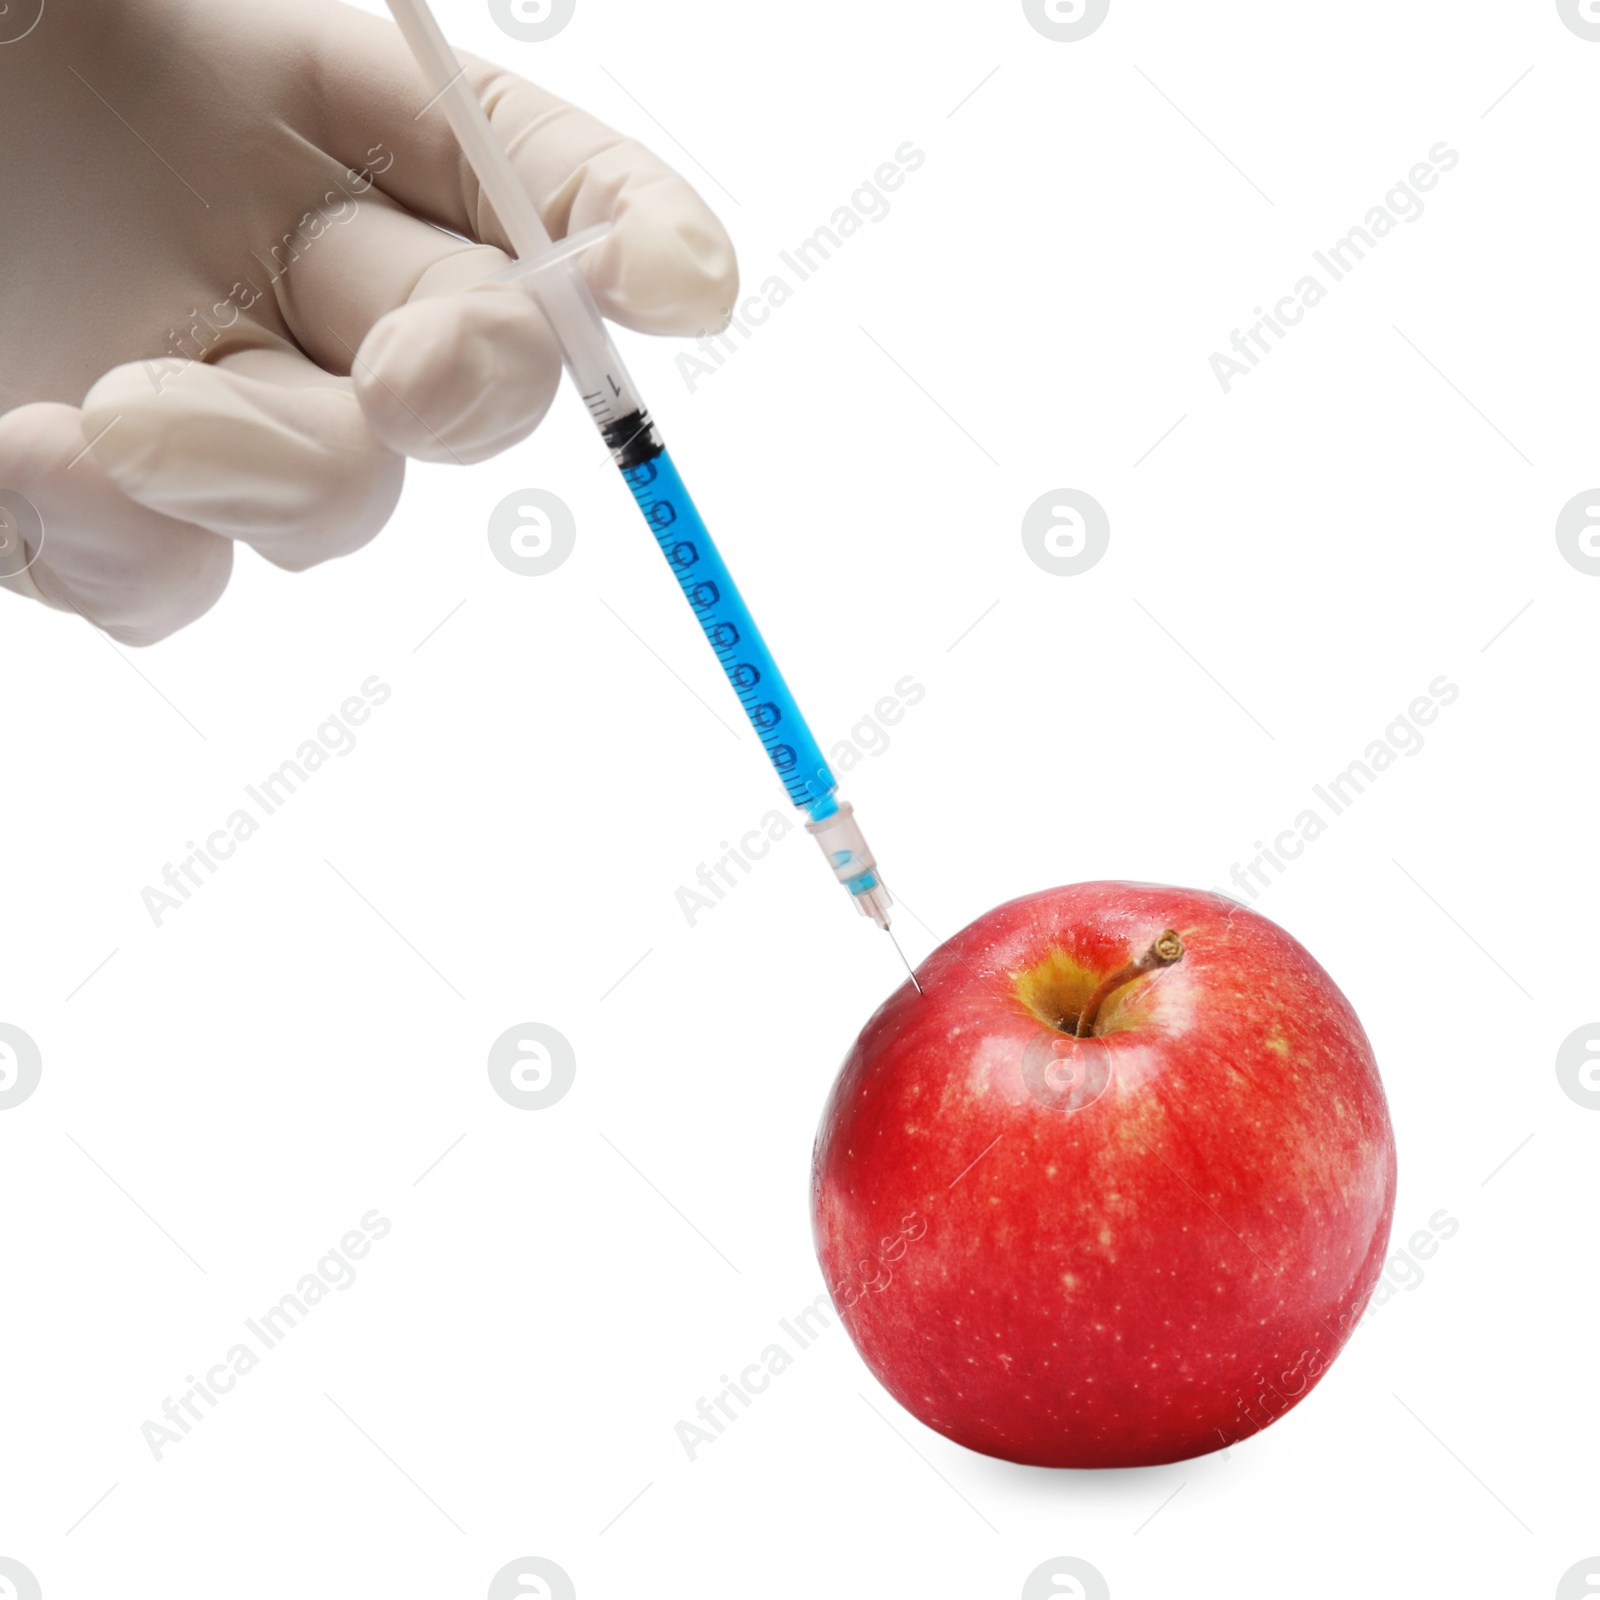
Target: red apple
<point x="1120" y="1249"/>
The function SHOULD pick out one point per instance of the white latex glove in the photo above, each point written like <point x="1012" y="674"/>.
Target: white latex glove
<point x="227" y="305"/>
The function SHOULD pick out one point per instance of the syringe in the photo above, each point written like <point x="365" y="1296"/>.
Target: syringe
<point x="551" y="274"/>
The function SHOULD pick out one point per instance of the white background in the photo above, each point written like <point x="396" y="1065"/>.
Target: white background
<point x="1289" y="567"/>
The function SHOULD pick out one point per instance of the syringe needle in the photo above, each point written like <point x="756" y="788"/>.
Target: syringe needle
<point x="901" y="953"/>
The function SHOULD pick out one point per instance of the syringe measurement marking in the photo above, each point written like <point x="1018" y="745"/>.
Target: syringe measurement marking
<point x="769" y="716"/>
<point x="599" y="407"/>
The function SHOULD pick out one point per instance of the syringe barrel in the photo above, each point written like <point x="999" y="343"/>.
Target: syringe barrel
<point x="730" y="630"/>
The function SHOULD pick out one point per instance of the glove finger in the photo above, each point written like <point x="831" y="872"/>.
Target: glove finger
<point x="262" y="446"/>
<point x="459" y="377"/>
<point x="447" y="364"/>
<point x="130" y="570"/>
<point x="668" y="266"/>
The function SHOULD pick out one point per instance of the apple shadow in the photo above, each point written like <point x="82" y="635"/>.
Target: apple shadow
<point x="1134" y="1489"/>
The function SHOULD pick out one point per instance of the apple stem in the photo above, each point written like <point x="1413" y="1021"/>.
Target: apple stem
<point x="1167" y="948"/>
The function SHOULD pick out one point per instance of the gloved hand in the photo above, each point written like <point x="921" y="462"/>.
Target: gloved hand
<point x="227" y="305"/>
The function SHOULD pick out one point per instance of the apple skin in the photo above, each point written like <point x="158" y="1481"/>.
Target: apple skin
<point x="1117" y="1251"/>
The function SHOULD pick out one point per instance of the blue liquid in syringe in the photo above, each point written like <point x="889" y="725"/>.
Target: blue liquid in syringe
<point x="732" y="633"/>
